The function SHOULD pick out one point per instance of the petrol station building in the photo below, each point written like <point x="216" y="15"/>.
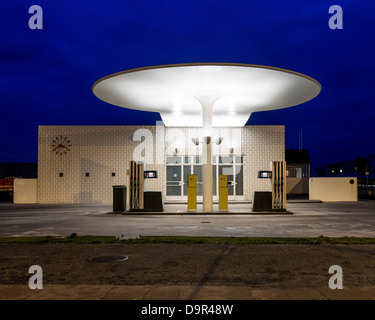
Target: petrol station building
<point x="203" y="133"/>
<point x="96" y="158"/>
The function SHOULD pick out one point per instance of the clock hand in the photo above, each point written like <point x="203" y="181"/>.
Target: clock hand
<point x="58" y="147"/>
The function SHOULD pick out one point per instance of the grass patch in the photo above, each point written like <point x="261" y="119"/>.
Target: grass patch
<point x="74" y="238"/>
<point x="249" y="240"/>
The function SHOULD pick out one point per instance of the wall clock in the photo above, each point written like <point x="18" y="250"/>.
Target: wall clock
<point x="61" y="145"/>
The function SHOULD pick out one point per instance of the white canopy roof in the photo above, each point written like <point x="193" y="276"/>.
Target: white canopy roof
<point x="180" y="92"/>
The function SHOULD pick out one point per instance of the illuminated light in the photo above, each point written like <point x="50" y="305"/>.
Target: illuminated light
<point x="219" y="140"/>
<point x="195" y="141"/>
<point x="180" y="93"/>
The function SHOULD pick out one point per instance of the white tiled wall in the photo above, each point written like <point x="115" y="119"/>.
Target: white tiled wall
<point x="103" y="150"/>
<point x="261" y="145"/>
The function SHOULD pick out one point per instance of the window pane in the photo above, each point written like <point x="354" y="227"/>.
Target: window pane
<point x="173" y="160"/>
<point x="239" y="159"/>
<point x="173" y="190"/>
<point x="214" y="180"/>
<point x="198" y="171"/>
<point x="187" y="171"/>
<point x="225" y="159"/>
<point x="187" y="159"/>
<point x="226" y="170"/>
<point x="299" y="172"/>
<point x="173" y="173"/>
<point x="239" y="180"/>
<point x="198" y="159"/>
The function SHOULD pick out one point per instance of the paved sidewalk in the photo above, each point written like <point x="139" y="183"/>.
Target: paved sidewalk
<point x="108" y="292"/>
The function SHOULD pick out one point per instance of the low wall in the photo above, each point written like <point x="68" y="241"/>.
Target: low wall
<point x="297" y="185"/>
<point x="25" y="191"/>
<point x="333" y="189"/>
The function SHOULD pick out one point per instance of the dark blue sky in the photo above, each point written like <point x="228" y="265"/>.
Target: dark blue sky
<point x="46" y="75"/>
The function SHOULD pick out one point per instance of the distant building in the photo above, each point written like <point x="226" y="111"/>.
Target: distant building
<point x="361" y="167"/>
<point x="297" y="163"/>
<point x="298" y="172"/>
<point x="19" y="170"/>
<point x="10" y="171"/>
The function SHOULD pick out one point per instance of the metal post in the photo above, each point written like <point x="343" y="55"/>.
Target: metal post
<point x="207" y="175"/>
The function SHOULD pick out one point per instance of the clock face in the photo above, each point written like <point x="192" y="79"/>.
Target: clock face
<point x="61" y="145"/>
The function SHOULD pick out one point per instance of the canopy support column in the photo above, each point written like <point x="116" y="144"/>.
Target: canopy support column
<point x="207" y="105"/>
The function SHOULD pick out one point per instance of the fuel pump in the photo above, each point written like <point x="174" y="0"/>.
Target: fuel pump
<point x="192" y="192"/>
<point x="223" y="192"/>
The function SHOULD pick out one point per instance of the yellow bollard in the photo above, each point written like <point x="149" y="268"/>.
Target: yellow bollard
<point x="223" y="192"/>
<point x="192" y="192"/>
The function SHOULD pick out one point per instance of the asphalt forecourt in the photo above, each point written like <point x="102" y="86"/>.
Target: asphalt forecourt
<point x="351" y="219"/>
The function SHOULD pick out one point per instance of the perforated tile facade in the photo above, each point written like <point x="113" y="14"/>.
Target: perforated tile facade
<point x="99" y="157"/>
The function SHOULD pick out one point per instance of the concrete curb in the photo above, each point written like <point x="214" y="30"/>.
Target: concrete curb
<point x="108" y="292"/>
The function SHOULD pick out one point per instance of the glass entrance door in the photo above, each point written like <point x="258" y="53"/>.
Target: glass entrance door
<point x="178" y="169"/>
<point x="233" y="168"/>
<point x="174" y="178"/>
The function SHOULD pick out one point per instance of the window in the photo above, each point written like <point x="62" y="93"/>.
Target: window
<point x="113" y="174"/>
<point x="299" y="172"/>
<point x="226" y="159"/>
<point x="61" y="174"/>
<point x="178" y="169"/>
<point x="198" y="159"/>
<point x="187" y="159"/>
<point x="87" y="174"/>
<point x="173" y="160"/>
<point x="239" y="159"/>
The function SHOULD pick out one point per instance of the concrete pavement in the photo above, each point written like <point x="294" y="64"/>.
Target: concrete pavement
<point x="309" y="219"/>
<point x="107" y="292"/>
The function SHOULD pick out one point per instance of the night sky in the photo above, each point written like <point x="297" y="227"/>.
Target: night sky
<point x="46" y="75"/>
